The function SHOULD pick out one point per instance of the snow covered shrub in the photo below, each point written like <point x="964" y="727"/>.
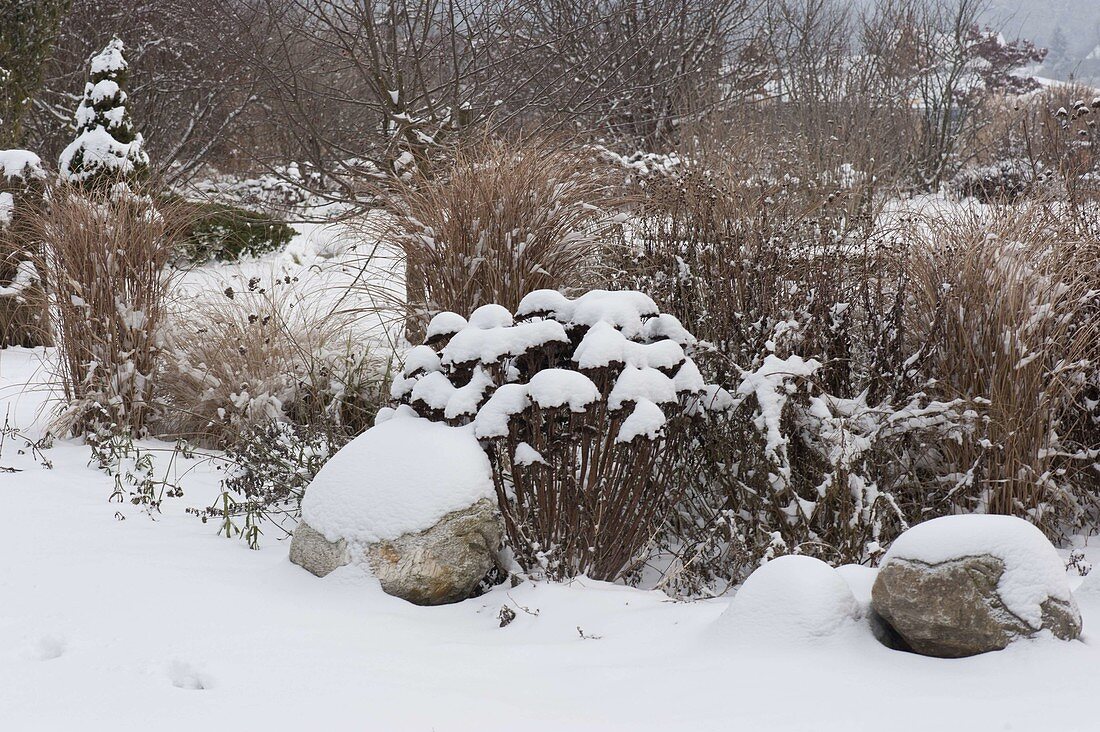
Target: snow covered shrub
<point x="105" y="262"/>
<point x="882" y="374"/>
<point x="586" y="407"/>
<point x="107" y="148"/>
<point x="227" y="233"/>
<point x="1001" y="182"/>
<point x="265" y="353"/>
<point x="24" y="320"/>
<point x="791" y="469"/>
<point x="503" y="220"/>
<point x="273" y="193"/>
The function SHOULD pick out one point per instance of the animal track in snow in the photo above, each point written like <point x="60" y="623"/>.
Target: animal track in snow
<point x="48" y="647"/>
<point x="185" y="676"/>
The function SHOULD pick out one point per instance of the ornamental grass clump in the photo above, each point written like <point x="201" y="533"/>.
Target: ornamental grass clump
<point x="503" y="219"/>
<point x="105" y="260"/>
<point x="586" y="407"/>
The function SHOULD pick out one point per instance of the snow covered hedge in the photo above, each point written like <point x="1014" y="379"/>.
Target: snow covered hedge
<point x="23" y="317"/>
<point x="586" y="407"/>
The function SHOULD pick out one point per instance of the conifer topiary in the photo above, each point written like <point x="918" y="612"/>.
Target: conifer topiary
<point x="107" y="148"/>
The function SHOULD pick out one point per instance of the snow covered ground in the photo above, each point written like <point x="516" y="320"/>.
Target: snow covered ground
<point x="110" y="619"/>
<point x="114" y="620"/>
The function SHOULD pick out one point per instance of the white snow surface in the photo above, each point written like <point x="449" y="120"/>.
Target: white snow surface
<point x="18" y="163"/>
<point x="527" y="455"/>
<point x="604" y="345"/>
<point x="791" y="599"/>
<point x="623" y="309"/>
<point x="493" y="343"/>
<point x="446" y="323"/>
<point x="551" y="388"/>
<point x="646" y="420"/>
<point x="1033" y="569"/>
<point x="490" y="316"/>
<point x="420" y="358"/>
<point x="104" y="89"/>
<point x="111" y="621"/>
<point x="109" y="59"/>
<point x="399" y="477"/>
<point x="7" y="208"/>
<point x="644" y="384"/>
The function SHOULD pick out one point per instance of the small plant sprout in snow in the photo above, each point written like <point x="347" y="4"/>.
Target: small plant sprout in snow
<point x="586" y="407"/>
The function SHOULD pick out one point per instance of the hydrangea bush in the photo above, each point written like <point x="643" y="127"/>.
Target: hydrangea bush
<point x="586" y="407"/>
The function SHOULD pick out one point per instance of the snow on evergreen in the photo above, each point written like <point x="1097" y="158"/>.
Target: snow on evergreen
<point x="107" y="146"/>
<point x="20" y="166"/>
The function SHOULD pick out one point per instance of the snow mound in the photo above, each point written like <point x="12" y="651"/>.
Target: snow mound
<point x="791" y="599"/>
<point x="399" y="477"/>
<point x="860" y="580"/>
<point x="1033" y="570"/>
<point x="1089" y="587"/>
<point x="21" y="164"/>
<point x="492" y="343"/>
<point x="626" y="310"/>
<point x="445" y="324"/>
<point x="646" y="420"/>
<point x="611" y="347"/>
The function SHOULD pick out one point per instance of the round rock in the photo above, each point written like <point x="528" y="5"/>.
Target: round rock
<point x="961" y="585"/>
<point x="412" y="499"/>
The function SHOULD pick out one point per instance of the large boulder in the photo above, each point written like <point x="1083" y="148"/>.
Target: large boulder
<point x="791" y="599"/>
<point x="413" y="500"/>
<point x="961" y="585"/>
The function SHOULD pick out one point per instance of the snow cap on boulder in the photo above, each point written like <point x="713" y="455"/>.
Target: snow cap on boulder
<point x="957" y="586"/>
<point x="401" y="476"/>
<point x="1033" y="570"/>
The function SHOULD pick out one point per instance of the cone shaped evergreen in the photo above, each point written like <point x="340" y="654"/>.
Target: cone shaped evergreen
<point x="107" y="147"/>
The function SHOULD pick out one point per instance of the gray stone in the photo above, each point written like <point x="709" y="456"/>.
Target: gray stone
<point x="311" y="550"/>
<point x="444" y="563"/>
<point x="952" y="609"/>
<point x="440" y="565"/>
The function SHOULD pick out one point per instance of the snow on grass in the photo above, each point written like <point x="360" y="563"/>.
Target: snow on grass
<point x="326" y="268"/>
<point x="399" y="477"/>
